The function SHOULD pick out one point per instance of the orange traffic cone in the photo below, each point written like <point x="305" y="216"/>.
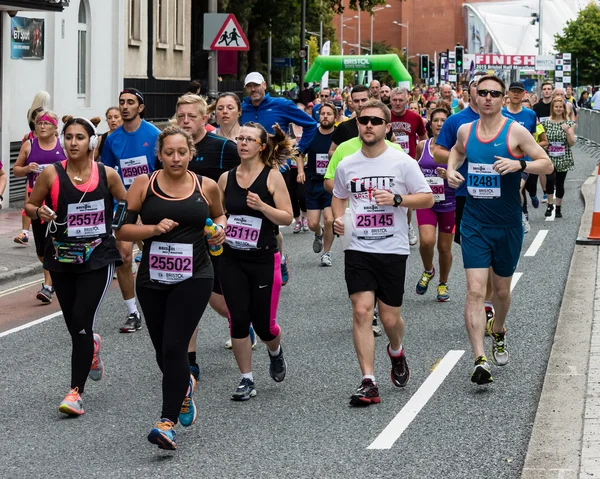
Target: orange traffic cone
<point x="594" y="236"/>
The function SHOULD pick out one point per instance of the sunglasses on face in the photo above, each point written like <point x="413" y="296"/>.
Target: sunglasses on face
<point x="493" y="93"/>
<point x="375" y="120"/>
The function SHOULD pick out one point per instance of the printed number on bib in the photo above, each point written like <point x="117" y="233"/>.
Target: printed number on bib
<point x="556" y="148"/>
<point x="171" y="263"/>
<point x="437" y="187"/>
<point x="131" y="168"/>
<point x="402" y="140"/>
<point x="483" y="181"/>
<point x="374" y="222"/>
<point x="86" y="219"/>
<point x="322" y="162"/>
<point x="243" y="231"/>
<point x="36" y="174"/>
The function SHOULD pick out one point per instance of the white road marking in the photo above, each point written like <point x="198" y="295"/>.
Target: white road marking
<point x="20" y="287"/>
<point x="398" y="425"/>
<point x="536" y="243"/>
<point x="32" y="323"/>
<point x="515" y="279"/>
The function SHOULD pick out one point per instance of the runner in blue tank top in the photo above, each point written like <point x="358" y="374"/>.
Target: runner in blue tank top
<point x="491" y="229"/>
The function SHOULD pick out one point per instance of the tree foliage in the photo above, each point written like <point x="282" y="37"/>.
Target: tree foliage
<point x="581" y="37"/>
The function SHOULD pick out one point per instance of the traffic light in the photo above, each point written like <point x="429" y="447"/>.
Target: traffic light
<point x="425" y="73"/>
<point x="459" y="52"/>
<point x="305" y="60"/>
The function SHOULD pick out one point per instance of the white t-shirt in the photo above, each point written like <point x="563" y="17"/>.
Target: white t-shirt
<point x="378" y="229"/>
<point x="596" y="101"/>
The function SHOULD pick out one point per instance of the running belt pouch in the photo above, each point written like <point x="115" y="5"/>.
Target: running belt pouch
<point x="74" y="253"/>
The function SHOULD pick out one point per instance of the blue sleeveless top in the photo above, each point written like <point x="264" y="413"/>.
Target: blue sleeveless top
<point x="492" y="199"/>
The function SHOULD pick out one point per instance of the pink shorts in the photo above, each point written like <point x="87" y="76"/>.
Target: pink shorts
<point x="433" y="218"/>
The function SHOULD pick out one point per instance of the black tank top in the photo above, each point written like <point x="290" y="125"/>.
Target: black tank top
<point x="248" y="229"/>
<point x="84" y="217"/>
<point x="180" y="254"/>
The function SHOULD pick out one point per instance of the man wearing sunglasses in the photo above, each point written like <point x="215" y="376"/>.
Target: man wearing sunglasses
<point x="325" y="96"/>
<point x="381" y="184"/>
<point x="491" y="228"/>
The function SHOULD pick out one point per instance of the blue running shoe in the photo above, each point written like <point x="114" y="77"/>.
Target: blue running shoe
<point x="252" y="337"/>
<point x="545" y="198"/>
<point x="163" y="435"/>
<point x="244" y="391"/>
<point x="195" y="371"/>
<point x="424" y="281"/>
<point x="188" y="412"/>
<point x="285" y="274"/>
<point x="535" y="201"/>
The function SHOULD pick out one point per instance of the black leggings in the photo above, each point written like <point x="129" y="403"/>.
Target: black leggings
<point x="171" y="316"/>
<point x="557" y="178"/>
<point x="297" y="192"/>
<point x="80" y="296"/>
<point x="251" y="287"/>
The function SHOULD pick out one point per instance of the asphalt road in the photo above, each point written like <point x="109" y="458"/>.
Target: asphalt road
<point x="304" y="426"/>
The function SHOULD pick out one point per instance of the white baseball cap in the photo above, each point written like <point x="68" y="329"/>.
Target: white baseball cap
<point x="254" y="77"/>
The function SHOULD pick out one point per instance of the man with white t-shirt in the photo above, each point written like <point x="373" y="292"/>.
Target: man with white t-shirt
<point x="381" y="183"/>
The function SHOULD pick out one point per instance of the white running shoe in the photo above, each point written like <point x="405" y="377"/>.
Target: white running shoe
<point x="526" y="225"/>
<point x="326" y="259"/>
<point x="412" y="236"/>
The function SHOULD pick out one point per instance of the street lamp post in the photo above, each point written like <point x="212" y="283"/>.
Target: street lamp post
<point x="405" y="25"/>
<point x="387" y="5"/>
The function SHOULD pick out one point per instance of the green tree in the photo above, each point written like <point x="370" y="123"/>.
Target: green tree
<point x="581" y="37"/>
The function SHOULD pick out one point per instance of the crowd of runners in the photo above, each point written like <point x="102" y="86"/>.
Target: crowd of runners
<point x="200" y="204"/>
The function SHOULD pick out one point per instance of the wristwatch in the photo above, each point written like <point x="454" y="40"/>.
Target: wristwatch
<point x="397" y="200"/>
<point x="523" y="164"/>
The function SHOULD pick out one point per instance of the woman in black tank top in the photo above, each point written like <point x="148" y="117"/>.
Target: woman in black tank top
<point x="80" y="251"/>
<point x="257" y="202"/>
<point x="175" y="278"/>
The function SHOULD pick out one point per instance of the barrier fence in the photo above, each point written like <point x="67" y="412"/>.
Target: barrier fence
<point x="588" y="129"/>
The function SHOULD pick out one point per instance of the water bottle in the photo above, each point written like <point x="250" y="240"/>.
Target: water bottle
<point x="348" y="228"/>
<point x="210" y="229"/>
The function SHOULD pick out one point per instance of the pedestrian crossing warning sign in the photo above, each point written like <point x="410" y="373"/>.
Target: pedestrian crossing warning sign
<point x="230" y="36"/>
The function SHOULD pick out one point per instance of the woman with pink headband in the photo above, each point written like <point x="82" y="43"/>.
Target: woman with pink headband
<point x="35" y="155"/>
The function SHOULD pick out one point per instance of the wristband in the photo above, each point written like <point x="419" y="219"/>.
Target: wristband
<point x="222" y="227"/>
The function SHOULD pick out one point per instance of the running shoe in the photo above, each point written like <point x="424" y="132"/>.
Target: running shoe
<point x="412" y="236"/>
<point x="244" y="391"/>
<point x="558" y="213"/>
<point x="482" y="373"/>
<point x="375" y="326"/>
<point x="442" y="293"/>
<point x="45" y="294"/>
<point x="326" y="259"/>
<point x="498" y="349"/>
<point x="163" y="435"/>
<point x="305" y="224"/>
<point x="132" y="324"/>
<point x="545" y="198"/>
<point x="228" y="344"/>
<point x="188" y="412"/>
<point x="97" y="369"/>
<point x="72" y="404"/>
<point x="318" y="242"/>
<point x="297" y="227"/>
<point x="195" y="371"/>
<point x="525" y="221"/>
<point x="549" y="210"/>
<point x="285" y="274"/>
<point x="278" y="366"/>
<point x="366" y="394"/>
<point x="535" y="201"/>
<point x="489" y="315"/>
<point x="400" y="373"/>
<point x="22" y="238"/>
<point x="423" y="283"/>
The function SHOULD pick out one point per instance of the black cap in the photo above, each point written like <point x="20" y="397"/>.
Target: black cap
<point x="136" y="93"/>
<point x="516" y="85"/>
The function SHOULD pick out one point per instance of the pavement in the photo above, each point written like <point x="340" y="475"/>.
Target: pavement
<point x="539" y="419"/>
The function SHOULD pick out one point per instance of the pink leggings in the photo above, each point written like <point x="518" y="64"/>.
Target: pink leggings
<point x="445" y="220"/>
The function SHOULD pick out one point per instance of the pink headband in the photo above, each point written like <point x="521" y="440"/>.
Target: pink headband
<point x="47" y="118"/>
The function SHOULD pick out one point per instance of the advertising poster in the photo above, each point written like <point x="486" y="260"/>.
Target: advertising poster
<point x="27" y="38"/>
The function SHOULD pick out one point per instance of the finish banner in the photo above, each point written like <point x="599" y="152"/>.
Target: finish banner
<point x="27" y="38"/>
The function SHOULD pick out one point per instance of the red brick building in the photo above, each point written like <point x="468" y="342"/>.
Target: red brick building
<point x="433" y="25"/>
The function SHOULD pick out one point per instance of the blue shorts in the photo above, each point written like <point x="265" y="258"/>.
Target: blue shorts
<point x="499" y="248"/>
<point x="317" y="197"/>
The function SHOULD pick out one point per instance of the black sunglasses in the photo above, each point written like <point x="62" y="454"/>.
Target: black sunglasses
<point x="375" y="120"/>
<point x="494" y="93"/>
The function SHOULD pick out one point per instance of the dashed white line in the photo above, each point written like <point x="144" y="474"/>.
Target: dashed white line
<point x="536" y="243"/>
<point x="19" y="287"/>
<point x="32" y="323"/>
<point x="398" y="425"/>
<point x="514" y="280"/>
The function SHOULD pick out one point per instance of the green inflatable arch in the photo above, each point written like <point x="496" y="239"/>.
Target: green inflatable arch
<point x="337" y="63"/>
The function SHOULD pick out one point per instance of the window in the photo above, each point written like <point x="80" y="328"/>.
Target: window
<point x="82" y="51"/>
<point x="135" y="22"/>
<point x="162" y="23"/>
<point x="179" y="24"/>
